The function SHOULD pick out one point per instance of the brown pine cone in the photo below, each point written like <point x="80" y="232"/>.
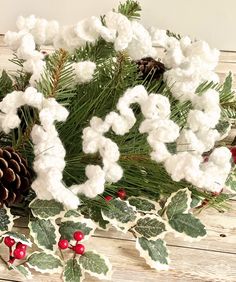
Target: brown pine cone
<point x="150" y="69"/>
<point x="15" y="177"/>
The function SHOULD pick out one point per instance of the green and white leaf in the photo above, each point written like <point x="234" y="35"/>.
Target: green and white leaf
<point x="70" y="225"/>
<point x="45" y="233"/>
<point x="231" y="181"/>
<point x="44" y="262"/>
<point x="154" y="252"/>
<point x="96" y="265"/>
<point x="144" y="205"/>
<point x="46" y="209"/>
<point x="18" y="237"/>
<point x="150" y="227"/>
<point x="178" y="203"/>
<point x="195" y="202"/>
<point x="72" y="213"/>
<point x="6" y="220"/>
<point x="72" y="271"/>
<point x="95" y="214"/>
<point x="120" y="214"/>
<point x="187" y="224"/>
<point x="23" y="270"/>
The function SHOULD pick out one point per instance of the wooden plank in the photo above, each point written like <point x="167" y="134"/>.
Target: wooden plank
<point x="221" y="230"/>
<point x="217" y="225"/>
<point x="187" y="264"/>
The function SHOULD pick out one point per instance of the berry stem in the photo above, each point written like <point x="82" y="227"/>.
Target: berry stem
<point x="62" y="256"/>
<point x="10" y="252"/>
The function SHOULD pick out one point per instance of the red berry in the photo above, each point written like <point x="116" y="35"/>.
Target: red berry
<point x="78" y="235"/>
<point x="19" y="245"/>
<point x="63" y="244"/>
<point x="233" y="152"/>
<point x="9" y="241"/>
<point x="108" y="198"/>
<point x="79" y="249"/>
<point x="121" y="194"/>
<point x="19" y="253"/>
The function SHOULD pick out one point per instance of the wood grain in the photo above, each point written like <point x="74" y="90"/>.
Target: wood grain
<point x="212" y="259"/>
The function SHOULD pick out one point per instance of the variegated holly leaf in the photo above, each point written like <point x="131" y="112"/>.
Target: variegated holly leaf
<point x="72" y="271"/>
<point x="23" y="270"/>
<point x="45" y="233"/>
<point x="195" y="202"/>
<point x="6" y="220"/>
<point x="154" y="252"/>
<point x="18" y="237"/>
<point x="231" y="181"/>
<point x="46" y="209"/>
<point x="120" y="214"/>
<point x="44" y="262"/>
<point x="150" y="227"/>
<point x="144" y="205"/>
<point x="72" y="213"/>
<point x="96" y="265"/>
<point x="70" y="225"/>
<point x="95" y="214"/>
<point x="178" y="203"/>
<point x="188" y="224"/>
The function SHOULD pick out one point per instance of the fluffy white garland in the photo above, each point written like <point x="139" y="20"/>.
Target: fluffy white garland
<point x="125" y="34"/>
<point x="190" y="64"/>
<point x="49" y="152"/>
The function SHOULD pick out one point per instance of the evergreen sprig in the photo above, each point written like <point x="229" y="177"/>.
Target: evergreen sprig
<point x="131" y="9"/>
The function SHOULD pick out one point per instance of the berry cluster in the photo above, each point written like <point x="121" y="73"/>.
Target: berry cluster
<point x="79" y="249"/>
<point x="18" y="253"/>
<point x="120" y="193"/>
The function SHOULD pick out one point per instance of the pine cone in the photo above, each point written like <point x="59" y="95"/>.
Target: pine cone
<point x="15" y="177"/>
<point x="150" y="69"/>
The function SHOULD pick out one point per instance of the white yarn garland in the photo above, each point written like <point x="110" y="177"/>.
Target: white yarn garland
<point x="49" y="152"/>
<point x="190" y="64"/>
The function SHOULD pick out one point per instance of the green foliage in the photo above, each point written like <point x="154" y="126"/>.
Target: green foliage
<point x="46" y="209"/>
<point x="231" y="181"/>
<point x="44" y="233"/>
<point x="6" y="84"/>
<point x="131" y="9"/>
<point x="44" y="263"/>
<point x="150" y="226"/>
<point x="69" y="226"/>
<point x="6" y="220"/>
<point x="72" y="271"/>
<point x="119" y="214"/>
<point x="95" y="265"/>
<point x="187" y="224"/>
<point x="172" y="34"/>
<point x="18" y="237"/>
<point x="178" y="203"/>
<point x="154" y="252"/>
<point x="142" y="204"/>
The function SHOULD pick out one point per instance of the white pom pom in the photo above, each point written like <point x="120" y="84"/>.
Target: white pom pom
<point x="84" y="71"/>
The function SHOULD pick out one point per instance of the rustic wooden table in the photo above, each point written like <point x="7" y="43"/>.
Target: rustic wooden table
<point x="212" y="259"/>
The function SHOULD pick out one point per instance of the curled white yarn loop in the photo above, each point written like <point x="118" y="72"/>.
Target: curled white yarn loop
<point x="49" y="152"/>
<point x="189" y="63"/>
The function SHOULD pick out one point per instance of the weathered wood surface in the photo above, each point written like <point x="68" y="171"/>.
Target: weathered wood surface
<point x="212" y="259"/>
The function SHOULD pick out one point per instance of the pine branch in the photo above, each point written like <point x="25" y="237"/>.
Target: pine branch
<point x="172" y="34"/>
<point x="57" y="79"/>
<point x="131" y="9"/>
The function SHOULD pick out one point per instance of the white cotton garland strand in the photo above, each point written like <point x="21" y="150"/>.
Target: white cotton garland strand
<point x="49" y="152"/>
<point x="190" y="63"/>
<point x="190" y="166"/>
<point x="129" y="36"/>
